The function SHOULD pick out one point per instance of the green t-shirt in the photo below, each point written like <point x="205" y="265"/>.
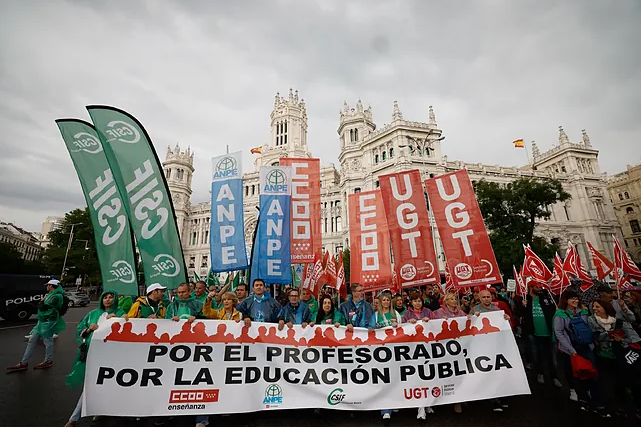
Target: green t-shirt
<point x="541" y="328"/>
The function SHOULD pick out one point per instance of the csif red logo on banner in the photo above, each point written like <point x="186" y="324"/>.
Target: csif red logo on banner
<point x="463" y="234"/>
<point x="409" y="228"/>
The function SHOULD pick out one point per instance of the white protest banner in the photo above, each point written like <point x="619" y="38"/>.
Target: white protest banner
<point x="148" y="367"/>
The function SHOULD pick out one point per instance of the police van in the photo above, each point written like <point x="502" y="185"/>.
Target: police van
<point x="20" y="295"/>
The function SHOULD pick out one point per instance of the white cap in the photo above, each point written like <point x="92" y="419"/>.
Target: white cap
<point x="53" y="282"/>
<point x="153" y="287"/>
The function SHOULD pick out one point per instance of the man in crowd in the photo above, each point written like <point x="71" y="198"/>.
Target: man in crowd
<point x="432" y="301"/>
<point x="622" y="311"/>
<point x="200" y="292"/>
<point x="294" y="312"/>
<point x="356" y="311"/>
<point x="150" y="306"/>
<point x="260" y="306"/>
<point x="184" y="306"/>
<point x="49" y="323"/>
<point x="307" y="298"/>
<point x="241" y="292"/>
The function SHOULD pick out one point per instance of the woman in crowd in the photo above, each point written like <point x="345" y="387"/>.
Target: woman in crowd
<point x="399" y="304"/>
<point x="384" y="317"/>
<point x="84" y="332"/>
<point x="227" y="311"/>
<point x="611" y="333"/>
<point x="574" y="337"/>
<point x="328" y="314"/>
<point x="633" y="300"/>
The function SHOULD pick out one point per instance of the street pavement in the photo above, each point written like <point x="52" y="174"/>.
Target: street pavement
<point x="40" y="398"/>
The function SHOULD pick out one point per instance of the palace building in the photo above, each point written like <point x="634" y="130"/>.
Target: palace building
<point x="367" y="151"/>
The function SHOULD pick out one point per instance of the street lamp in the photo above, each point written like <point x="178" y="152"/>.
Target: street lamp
<point x="64" y="264"/>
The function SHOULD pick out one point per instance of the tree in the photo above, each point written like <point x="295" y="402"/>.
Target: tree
<point x="82" y="260"/>
<point x="11" y="261"/>
<point x="346" y="265"/>
<point x="511" y="213"/>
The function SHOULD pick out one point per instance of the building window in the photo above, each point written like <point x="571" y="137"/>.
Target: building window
<point x="378" y="184"/>
<point x="626" y="243"/>
<point x="168" y="172"/>
<point x="247" y="190"/>
<point x="567" y="213"/>
<point x="634" y="225"/>
<point x="357" y="190"/>
<point x="629" y="210"/>
<point x="325" y="225"/>
<point x="253" y="190"/>
<point x="620" y="196"/>
<point x="339" y="226"/>
<point x="391" y="153"/>
<point x="627" y="196"/>
<point x="376" y="159"/>
<point x="193" y="238"/>
<point x="355" y="135"/>
<point x="281" y="133"/>
<point x="635" y="242"/>
<point x="384" y="155"/>
<point x="203" y="263"/>
<point x="563" y="169"/>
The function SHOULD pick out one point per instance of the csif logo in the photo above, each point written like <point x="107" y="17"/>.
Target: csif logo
<point x="86" y="142"/>
<point x="122" y="271"/>
<point x="276" y="182"/>
<point x="165" y="265"/>
<point x="123" y="132"/>
<point x="226" y="167"/>
<point x="335" y="396"/>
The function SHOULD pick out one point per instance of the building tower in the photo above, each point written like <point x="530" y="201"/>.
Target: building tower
<point x="179" y="168"/>
<point x="355" y="124"/>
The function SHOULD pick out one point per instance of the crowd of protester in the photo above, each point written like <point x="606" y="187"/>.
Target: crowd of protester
<point x="585" y="339"/>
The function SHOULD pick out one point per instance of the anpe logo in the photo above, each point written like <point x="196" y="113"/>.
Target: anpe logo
<point x="273" y="396"/>
<point x="226" y="167"/>
<point x="408" y="272"/>
<point x="463" y="271"/>
<point x="276" y="181"/>
<point x="122" y="271"/>
<point x="436" y="391"/>
<point x="335" y="396"/>
<point x="194" y="396"/>
<point x="123" y="132"/>
<point x="87" y="143"/>
<point x="166" y="265"/>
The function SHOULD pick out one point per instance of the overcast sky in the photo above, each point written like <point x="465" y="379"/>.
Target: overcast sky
<point x="204" y="74"/>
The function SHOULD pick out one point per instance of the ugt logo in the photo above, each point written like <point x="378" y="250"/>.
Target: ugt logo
<point x="86" y="142"/>
<point x="276" y="182"/>
<point x="123" y="132"/>
<point x="273" y="395"/>
<point x="226" y="167"/>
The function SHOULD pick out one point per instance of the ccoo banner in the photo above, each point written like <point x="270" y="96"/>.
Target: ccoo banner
<point x="114" y="245"/>
<point x="410" y="231"/>
<point x="306" y="238"/>
<point x="271" y="259"/>
<point x="140" y="180"/>
<point x="463" y="234"/>
<point x="227" y="242"/>
<point x="370" y="263"/>
<point x="147" y="367"/>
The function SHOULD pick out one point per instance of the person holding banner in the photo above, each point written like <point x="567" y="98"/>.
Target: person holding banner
<point x="307" y="297"/>
<point x="260" y="306"/>
<point x="356" y="311"/>
<point x="449" y="309"/>
<point x="109" y="305"/>
<point x="200" y="292"/>
<point x="151" y="306"/>
<point x="184" y="306"/>
<point x="328" y="314"/>
<point x="399" y="304"/>
<point x="241" y="292"/>
<point x="294" y="312"/>
<point x="417" y="311"/>
<point x="228" y="310"/>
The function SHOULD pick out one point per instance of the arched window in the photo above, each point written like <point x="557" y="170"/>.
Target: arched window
<point x="247" y="190"/>
<point x="376" y="159"/>
<point x="357" y="190"/>
<point x="391" y="153"/>
<point x="627" y="196"/>
<point x="629" y="210"/>
<point x="339" y="226"/>
<point x="351" y="135"/>
<point x="168" y="172"/>
<point x="620" y="196"/>
<point x="253" y="190"/>
<point x="355" y="134"/>
<point x="384" y="155"/>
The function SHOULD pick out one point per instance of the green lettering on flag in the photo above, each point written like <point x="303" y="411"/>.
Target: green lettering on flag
<point x="112" y="234"/>
<point x="139" y="177"/>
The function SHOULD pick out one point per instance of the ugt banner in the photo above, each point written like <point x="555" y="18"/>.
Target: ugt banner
<point x="306" y="237"/>
<point x="227" y="228"/>
<point x="370" y="262"/>
<point x="271" y="260"/>
<point x="148" y="367"/>
<point x="112" y="234"/>
<point x="463" y="234"/>
<point x="142" y="184"/>
<point x="415" y="260"/>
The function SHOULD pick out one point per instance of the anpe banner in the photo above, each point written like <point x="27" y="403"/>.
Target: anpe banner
<point x="463" y="234"/>
<point x="271" y="259"/>
<point x="370" y="260"/>
<point x="114" y="245"/>
<point x="227" y="228"/>
<point x="141" y="182"/>
<point x="148" y="367"/>
<point x="410" y="232"/>
<point x="306" y="237"/>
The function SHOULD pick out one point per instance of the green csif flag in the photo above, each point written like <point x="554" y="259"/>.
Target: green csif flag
<point x="196" y="277"/>
<point x="142" y="184"/>
<point x="112" y="234"/>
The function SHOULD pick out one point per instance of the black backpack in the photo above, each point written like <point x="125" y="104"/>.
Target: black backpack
<point x="65" y="305"/>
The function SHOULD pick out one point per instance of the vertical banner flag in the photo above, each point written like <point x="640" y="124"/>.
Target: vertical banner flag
<point x="141" y="182"/>
<point x="114" y="245"/>
<point x="463" y="234"/>
<point x="603" y="265"/>
<point x="409" y="228"/>
<point x="272" y="257"/>
<point x="370" y="264"/>
<point x="227" y="229"/>
<point x="306" y="237"/>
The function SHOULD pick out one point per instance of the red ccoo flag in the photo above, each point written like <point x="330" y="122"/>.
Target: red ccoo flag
<point x="330" y="271"/>
<point x="521" y="289"/>
<point x="624" y="262"/>
<point x="556" y="284"/>
<point x="341" y="286"/>
<point x="534" y="267"/>
<point x="572" y="265"/>
<point x="603" y="265"/>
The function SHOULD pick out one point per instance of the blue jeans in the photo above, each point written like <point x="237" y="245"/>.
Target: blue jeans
<point x="78" y="411"/>
<point x="202" y="419"/>
<point x="48" y="342"/>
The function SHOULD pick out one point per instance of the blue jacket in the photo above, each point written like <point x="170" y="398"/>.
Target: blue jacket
<point x="358" y="315"/>
<point x="265" y="309"/>
<point x="299" y="316"/>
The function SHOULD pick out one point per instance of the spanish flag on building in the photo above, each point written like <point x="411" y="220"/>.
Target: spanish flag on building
<point x="259" y="150"/>
<point x="518" y="143"/>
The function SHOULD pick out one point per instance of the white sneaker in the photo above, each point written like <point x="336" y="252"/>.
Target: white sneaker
<point x="540" y="379"/>
<point x="55" y="336"/>
<point x="27" y="337"/>
<point x="421" y="414"/>
<point x="557" y="383"/>
<point x="387" y="416"/>
<point x="429" y="410"/>
<point x="573" y="395"/>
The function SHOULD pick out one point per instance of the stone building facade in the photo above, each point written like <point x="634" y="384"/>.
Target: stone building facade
<point x="24" y="242"/>
<point x="367" y="151"/>
<point x="625" y="194"/>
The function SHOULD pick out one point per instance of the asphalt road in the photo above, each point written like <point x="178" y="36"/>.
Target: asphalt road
<point x="40" y="398"/>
